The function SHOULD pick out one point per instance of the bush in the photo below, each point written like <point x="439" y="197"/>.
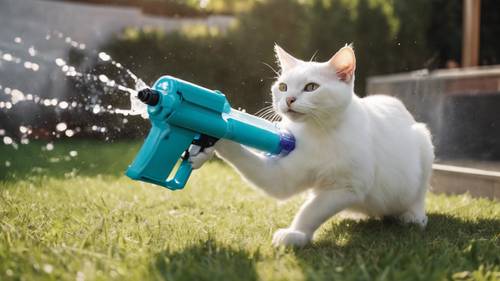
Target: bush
<point x="387" y="38"/>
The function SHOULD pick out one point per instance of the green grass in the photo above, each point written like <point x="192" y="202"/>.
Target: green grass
<point x="79" y="218"/>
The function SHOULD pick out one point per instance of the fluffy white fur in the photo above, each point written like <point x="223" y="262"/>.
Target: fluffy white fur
<point x="362" y="154"/>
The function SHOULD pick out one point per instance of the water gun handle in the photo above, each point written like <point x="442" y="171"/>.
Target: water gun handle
<point x="159" y="156"/>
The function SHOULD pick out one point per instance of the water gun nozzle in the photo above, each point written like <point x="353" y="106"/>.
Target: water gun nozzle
<point x="149" y="96"/>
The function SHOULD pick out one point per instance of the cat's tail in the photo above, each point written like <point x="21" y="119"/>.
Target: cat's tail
<point x="426" y="154"/>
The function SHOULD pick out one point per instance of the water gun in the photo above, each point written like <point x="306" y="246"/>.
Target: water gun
<point x="181" y="114"/>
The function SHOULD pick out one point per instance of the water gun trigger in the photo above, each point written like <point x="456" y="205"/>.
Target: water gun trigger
<point x="182" y="175"/>
<point x="204" y="141"/>
<point x="185" y="168"/>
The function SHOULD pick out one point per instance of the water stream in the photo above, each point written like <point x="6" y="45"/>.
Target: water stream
<point x="34" y="61"/>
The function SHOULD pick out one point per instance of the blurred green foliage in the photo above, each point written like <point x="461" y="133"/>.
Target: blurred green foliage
<point x="179" y="7"/>
<point x="388" y="36"/>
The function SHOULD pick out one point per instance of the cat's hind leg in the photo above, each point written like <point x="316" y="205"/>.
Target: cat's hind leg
<point x="415" y="214"/>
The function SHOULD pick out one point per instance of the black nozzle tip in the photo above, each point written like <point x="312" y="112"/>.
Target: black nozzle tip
<point x="149" y="96"/>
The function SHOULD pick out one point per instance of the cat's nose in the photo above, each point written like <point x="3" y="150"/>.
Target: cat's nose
<point x="290" y="100"/>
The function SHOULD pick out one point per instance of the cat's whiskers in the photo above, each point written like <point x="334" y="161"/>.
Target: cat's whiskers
<point x="315" y="114"/>
<point x="313" y="56"/>
<point x="269" y="115"/>
<point x="262" y="110"/>
<point x="274" y="117"/>
<point x="274" y="70"/>
<point x="265" y="113"/>
<point x="277" y="118"/>
<point x="318" y="121"/>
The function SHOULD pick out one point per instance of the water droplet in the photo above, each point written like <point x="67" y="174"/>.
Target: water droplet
<point x="7" y="57"/>
<point x="96" y="109"/>
<point x="69" y="133"/>
<point x="7" y="164"/>
<point x="32" y="51"/>
<point x="103" y="78"/>
<point x="18" y="40"/>
<point x="73" y="153"/>
<point x="61" y="127"/>
<point x="111" y="83"/>
<point x="71" y="71"/>
<point x="104" y="57"/>
<point x="53" y="102"/>
<point x="2" y="132"/>
<point x="49" y="146"/>
<point x="7" y="140"/>
<point x="63" y="105"/>
<point x="25" y="141"/>
<point x="35" y="67"/>
<point x="17" y="96"/>
<point x="23" y="129"/>
<point x="60" y="62"/>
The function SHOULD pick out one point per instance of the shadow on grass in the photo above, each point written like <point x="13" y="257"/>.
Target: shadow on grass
<point x="66" y="159"/>
<point x="208" y="260"/>
<point x="375" y="249"/>
<point x="352" y="250"/>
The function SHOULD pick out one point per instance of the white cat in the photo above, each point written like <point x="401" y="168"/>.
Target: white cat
<point x="362" y="154"/>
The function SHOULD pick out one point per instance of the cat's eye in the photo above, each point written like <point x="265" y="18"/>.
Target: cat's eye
<point x="311" y="87"/>
<point x="282" y="87"/>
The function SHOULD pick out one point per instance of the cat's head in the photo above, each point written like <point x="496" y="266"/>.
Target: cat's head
<point x="308" y="90"/>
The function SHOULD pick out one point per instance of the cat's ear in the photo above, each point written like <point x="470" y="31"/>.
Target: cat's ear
<point x="344" y="63"/>
<point x="285" y="60"/>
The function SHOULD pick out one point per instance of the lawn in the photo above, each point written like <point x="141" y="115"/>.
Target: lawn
<point x="67" y="218"/>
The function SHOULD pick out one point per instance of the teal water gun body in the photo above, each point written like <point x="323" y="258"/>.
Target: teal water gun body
<point x="182" y="113"/>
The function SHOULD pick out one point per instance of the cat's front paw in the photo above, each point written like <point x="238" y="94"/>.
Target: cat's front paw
<point x="290" y="237"/>
<point x="198" y="157"/>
